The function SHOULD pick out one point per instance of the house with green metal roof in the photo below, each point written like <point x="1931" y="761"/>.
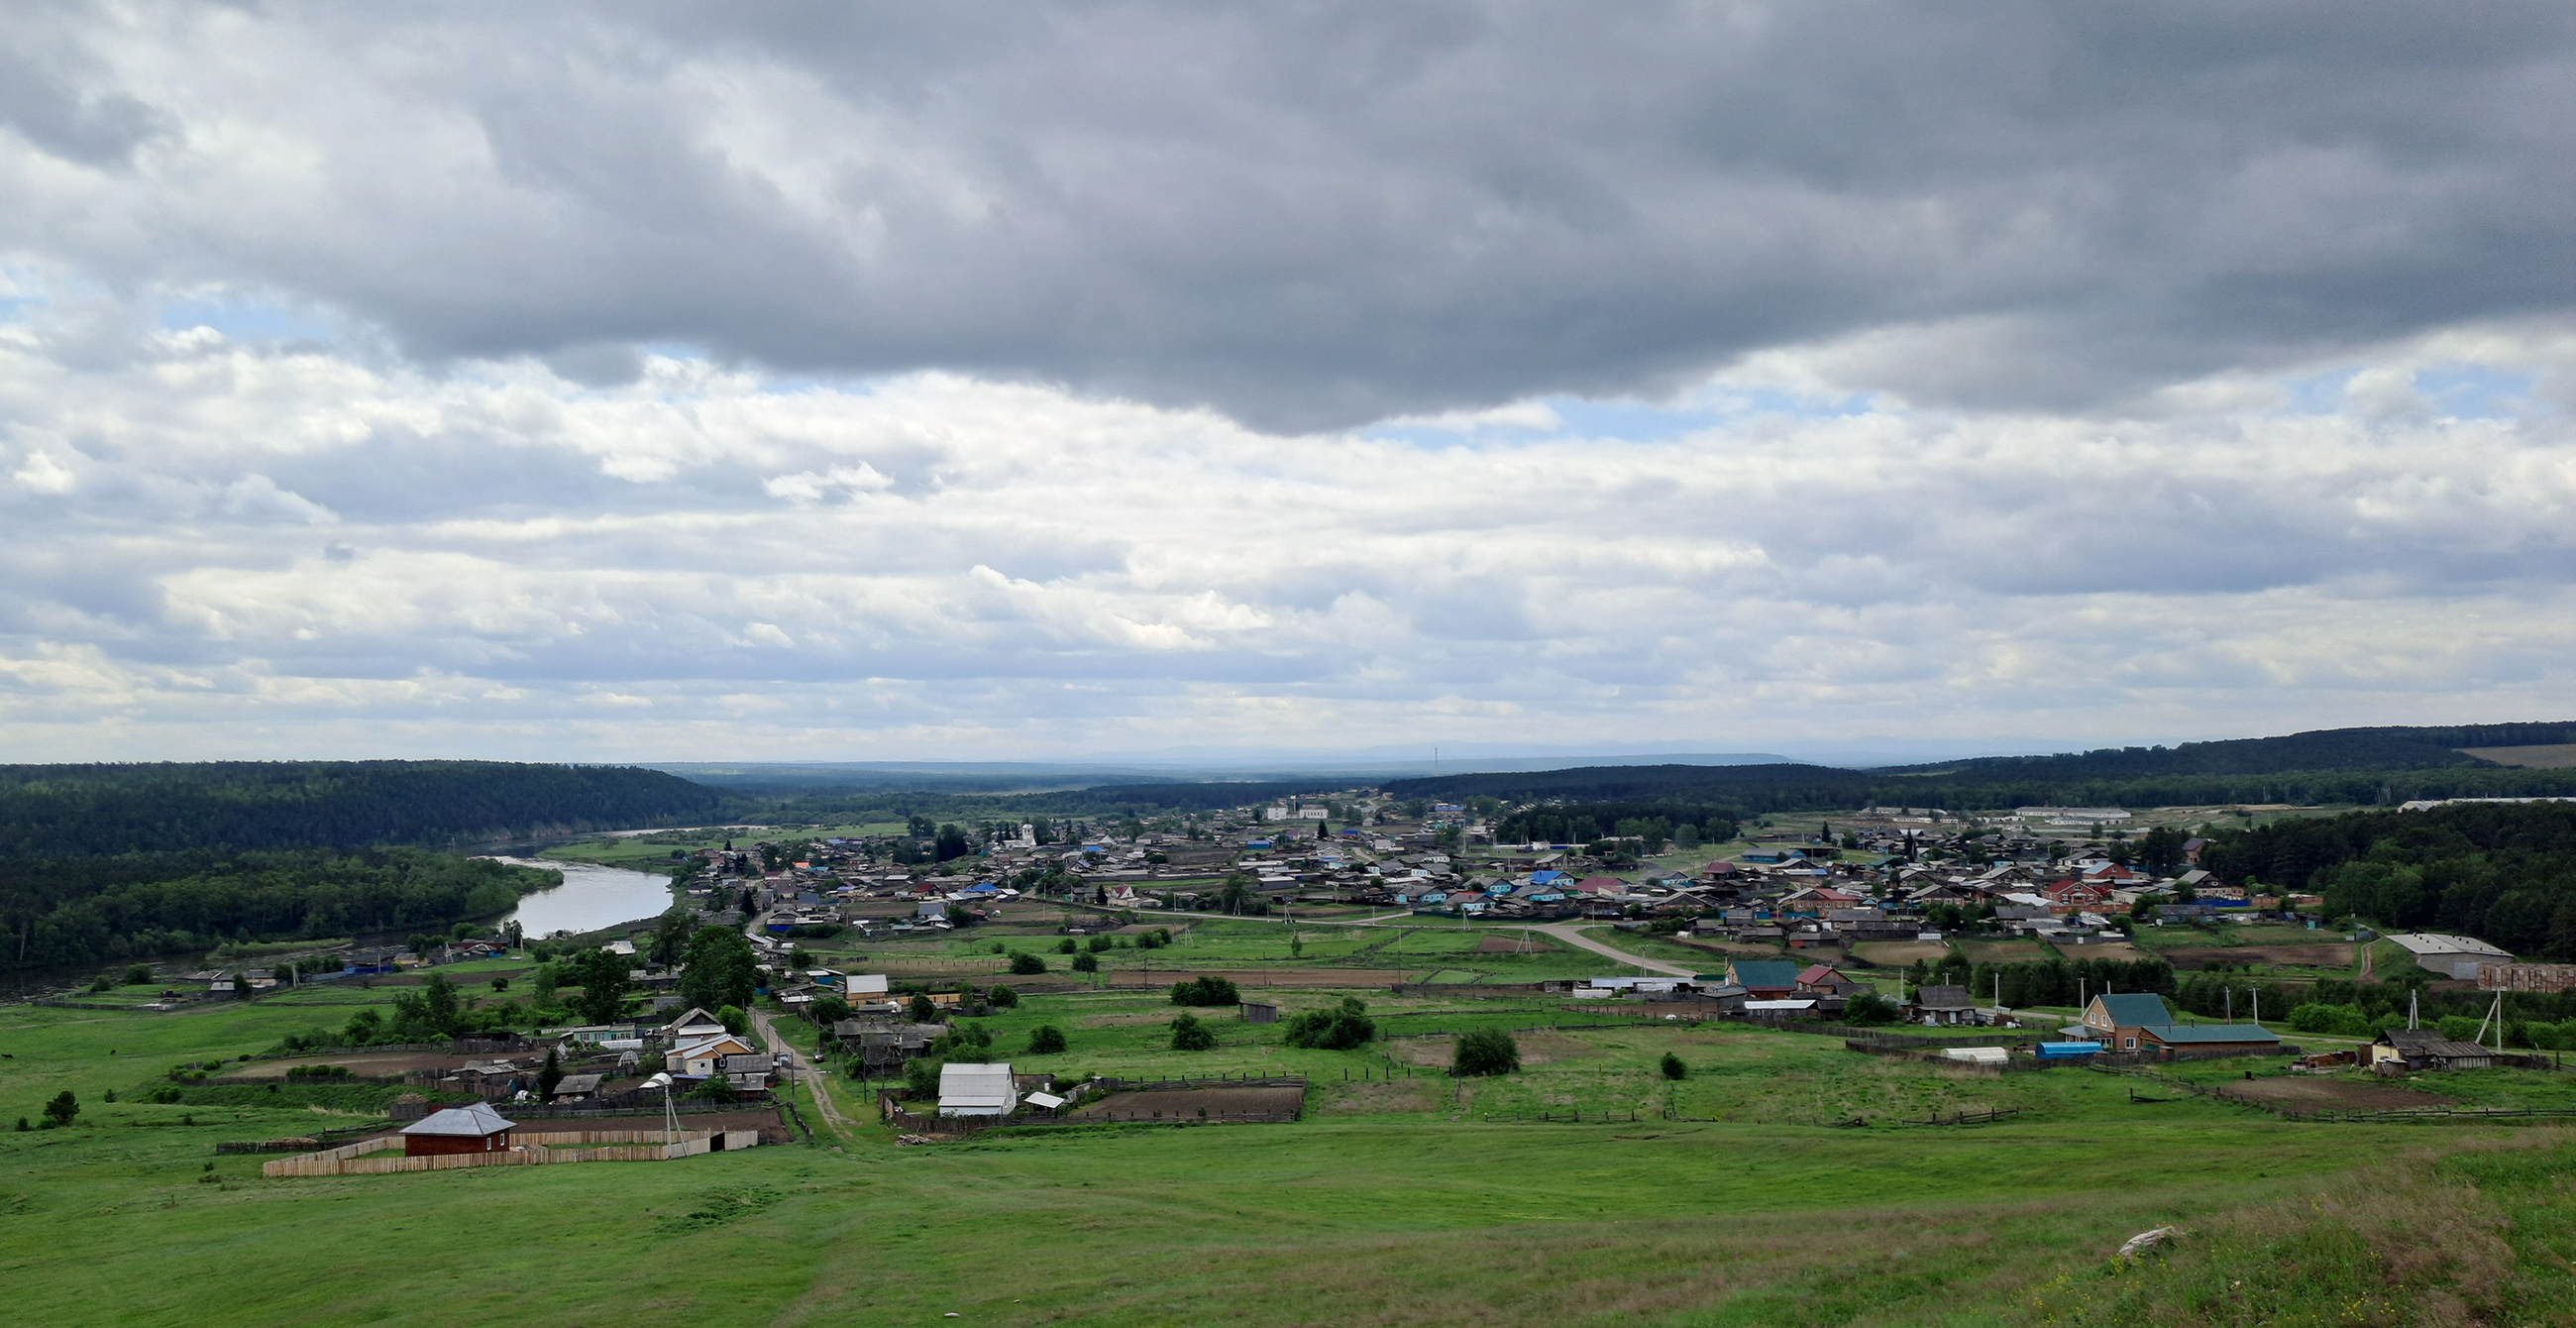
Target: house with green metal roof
<point x="1763" y="977"/>
<point x="2171" y="1040"/>
<point x="2115" y="1020"/>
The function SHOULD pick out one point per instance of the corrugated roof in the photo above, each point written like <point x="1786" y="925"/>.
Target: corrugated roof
<point x="2183" y="1033"/>
<point x="475" y="1122"/>
<point x="2136" y="1009"/>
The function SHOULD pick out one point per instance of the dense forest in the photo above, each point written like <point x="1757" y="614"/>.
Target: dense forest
<point x="61" y="811"/>
<point x="105" y="862"/>
<point x="74" y="911"/>
<point x="2130" y="778"/>
<point x="2503" y="872"/>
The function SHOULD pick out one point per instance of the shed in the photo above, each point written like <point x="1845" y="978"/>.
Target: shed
<point x="575" y="1087"/>
<point x="2218" y="1039"/>
<point x="977" y="1090"/>
<point x="2427" y="1049"/>
<point x="1260" y="1012"/>
<point x="471" y="1129"/>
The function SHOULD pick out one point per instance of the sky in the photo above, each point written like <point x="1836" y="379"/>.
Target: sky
<point x="851" y="382"/>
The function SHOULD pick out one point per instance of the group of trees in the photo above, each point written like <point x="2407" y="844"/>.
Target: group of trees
<point x="97" y="910"/>
<point x="2503" y="872"/>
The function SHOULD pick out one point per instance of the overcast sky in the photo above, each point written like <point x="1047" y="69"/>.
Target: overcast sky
<point x="841" y="381"/>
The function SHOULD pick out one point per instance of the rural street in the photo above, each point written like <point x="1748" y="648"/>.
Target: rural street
<point x="798" y="1064"/>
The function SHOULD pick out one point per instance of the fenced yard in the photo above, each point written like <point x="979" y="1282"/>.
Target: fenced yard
<point x="527" y="1149"/>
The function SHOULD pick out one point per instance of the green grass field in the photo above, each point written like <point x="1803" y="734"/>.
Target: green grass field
<point x="1404" y="1198"/>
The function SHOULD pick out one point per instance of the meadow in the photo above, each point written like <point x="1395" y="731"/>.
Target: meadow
<point x="1405" y="1197"/>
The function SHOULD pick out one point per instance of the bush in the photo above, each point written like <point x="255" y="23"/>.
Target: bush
<point x="102" y="983"/>
<point x="733" y="1019"/>
<point x="1045" y="1040"/>
<point x="1067" y="946"/>
<point x="1025" y="964"/>
<point x="1485" y="1051"/>
<point x="921" y="1077"/>
<point x="1205" y="991"/>
<point x="1100" y="944"/>
<point x="1002" y="998"/>
<point x="61" y="1110"/>
<point x="2344" y="1020"/>
<point x="922" y="1009"/>
<point x="138" y="974"/>
<point x="717" y="1088"/>
<point x="1339" y="1028"/>
<point x="1083" y="963"/>
<point x="1869" y="1008"/>
<point x="1188" y="1034"/>
<point x="1673" y="1067"/>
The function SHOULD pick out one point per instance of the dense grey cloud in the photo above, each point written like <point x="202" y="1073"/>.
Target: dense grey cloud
<point x="901" y="381"/>
<point x="1321" y="215"/>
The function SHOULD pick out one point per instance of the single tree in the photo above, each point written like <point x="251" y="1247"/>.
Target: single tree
<point x="1002" y="998"/>
<point x="1188" y="1034"/>
<point x="549" y="1075"/>
<point x="1673" y="1068"/>
<point x="922" y="1009"/>
<point x="1338" y="1028"/>
<point x="719" y="969"/>
<point x="1045" y="1040"/>
<point x="61" y="1110"/>
<point x="1086" y="963"/>
<point x="1485" y="1051"/>
<point x="1025" y="964"/>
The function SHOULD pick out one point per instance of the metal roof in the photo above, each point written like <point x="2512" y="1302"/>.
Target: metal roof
<point x="474" y="1122"/>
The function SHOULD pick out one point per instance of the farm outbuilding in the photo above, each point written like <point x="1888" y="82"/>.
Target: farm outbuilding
<point x="2427" y="1049"/>
<point x="473" y="1129"/>
<point x="1260" y="1012"/>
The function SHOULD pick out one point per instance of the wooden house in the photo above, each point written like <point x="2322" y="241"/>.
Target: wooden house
<point x="472" y="1129"/>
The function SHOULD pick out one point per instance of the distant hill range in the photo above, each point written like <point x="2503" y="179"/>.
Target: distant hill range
<point x="2360" y="765"/>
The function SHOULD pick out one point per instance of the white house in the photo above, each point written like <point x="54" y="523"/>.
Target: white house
<point x="977" y="1090"/>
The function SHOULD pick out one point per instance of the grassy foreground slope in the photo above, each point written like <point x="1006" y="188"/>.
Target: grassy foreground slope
<point x="1395" y="1203"/>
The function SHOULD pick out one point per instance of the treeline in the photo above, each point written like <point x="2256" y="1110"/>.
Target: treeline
<point x="2502" y="872"/>
<point x="2313" y="751"/>
<point x="64" y="811"/>
<point x="1105" y="802"/>
<point x="80" y="911"/>
<point x="1583" y="823"/>
<point x="1753" y="790"/>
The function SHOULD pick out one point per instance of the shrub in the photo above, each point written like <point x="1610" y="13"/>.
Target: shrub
<point x="1025" y="964"/>
<point x="1083" y="963"/>
<point x="1002" y="998"/>
<point x="1338" y="1028"/>
<point x="1870" y="1008"/>
<point x="1100" y="944"/>
<point x="500" y="984"/>
<point x="102" y="983"/>
<point x="1067" y="946"/>
<point x="717" y="1088"/>
<point x="922" y="1009"/>
<point x="921" y="1077"/>
<point x="733" y="1019"/>
<point x="1485" y="1051"/>
<point x="1205" y="991"/>
<point x="1673" y="1067"/>
<point x="138" y="974"/>
<point x="1045" y="1040"/>
<point x="1188" y="1034"/>
<point x="829" y="1010"/>
<point x="61" y="1110"/>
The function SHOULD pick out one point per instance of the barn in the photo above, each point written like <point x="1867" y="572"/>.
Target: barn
<point x="474" y="1129"/>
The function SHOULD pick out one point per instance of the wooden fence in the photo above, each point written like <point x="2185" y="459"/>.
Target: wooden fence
<point x="525" y="1150"/>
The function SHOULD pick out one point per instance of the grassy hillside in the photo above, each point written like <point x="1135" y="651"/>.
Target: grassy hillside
<point x="1399" y="1201"/>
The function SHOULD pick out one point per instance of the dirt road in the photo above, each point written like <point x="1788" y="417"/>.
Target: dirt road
<point x="1572" y="934"/>
<point x="802" y="1068"/>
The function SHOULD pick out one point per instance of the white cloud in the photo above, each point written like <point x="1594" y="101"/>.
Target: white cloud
<point x="932" y="565"/>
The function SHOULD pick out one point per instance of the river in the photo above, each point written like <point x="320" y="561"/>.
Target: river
<point x="590" y="898"/>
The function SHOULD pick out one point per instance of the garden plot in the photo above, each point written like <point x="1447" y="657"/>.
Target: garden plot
<point x="1193" y="1103"/>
